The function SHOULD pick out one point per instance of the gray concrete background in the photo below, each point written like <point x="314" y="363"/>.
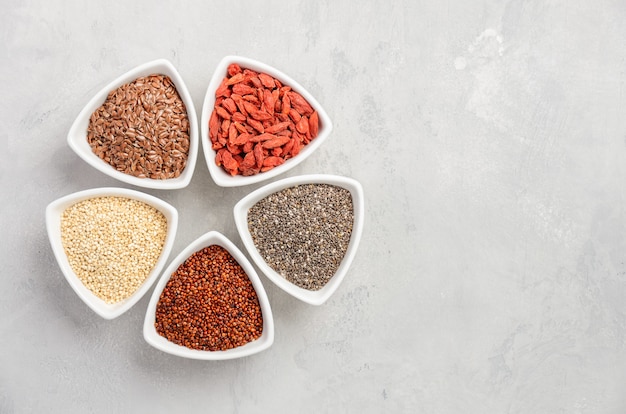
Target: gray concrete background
<point x="490" y="137"/>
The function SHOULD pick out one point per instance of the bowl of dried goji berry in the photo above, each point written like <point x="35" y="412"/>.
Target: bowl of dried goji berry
<point x="257" y="122"/>
<point x="209" y="304"/>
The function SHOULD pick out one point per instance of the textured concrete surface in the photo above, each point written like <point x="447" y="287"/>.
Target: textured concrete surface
<point x="490" y="137"/>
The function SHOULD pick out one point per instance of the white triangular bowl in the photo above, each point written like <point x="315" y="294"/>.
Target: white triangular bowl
<point x="77" y="136"/>
<point x="54" y="212"/>
<point x="241" y="220"/>
<point x="221" y="177"/>
<point x="263" y="342"/>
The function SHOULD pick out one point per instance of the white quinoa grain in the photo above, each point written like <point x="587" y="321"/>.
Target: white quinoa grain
<point x="112" y="244"/>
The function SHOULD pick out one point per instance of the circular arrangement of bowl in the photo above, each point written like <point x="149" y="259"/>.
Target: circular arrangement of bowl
<point x="221" y="177"/>
<point x="263" y="342"/>
<point x="77" y="137"/>
<point x="54" y="212"/>
<point x="77" y="140"/>
<point x="241" y="220"/>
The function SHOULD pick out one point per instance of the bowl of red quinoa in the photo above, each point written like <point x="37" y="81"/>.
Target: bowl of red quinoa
<point x="209" y="304"/>
<point x="303" y="232"/>
<point x="111" y="244"/>
<point x="257" y="122"/>
<point x="140" y="129"/>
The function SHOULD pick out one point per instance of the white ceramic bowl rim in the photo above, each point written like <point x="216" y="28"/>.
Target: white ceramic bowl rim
<point x="221" y="177"/>
<point x="54" y="212"/>
<point x="263" y="342"/>
<point x="77" y="134"/>
<point x="241" y="220"/>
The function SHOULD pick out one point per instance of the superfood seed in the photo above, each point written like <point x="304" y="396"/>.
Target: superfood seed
<point x="142" y="129"/>
<point x="112" y="244"/>
<point x="303" y="232"/>
<point x="209" y="303"/>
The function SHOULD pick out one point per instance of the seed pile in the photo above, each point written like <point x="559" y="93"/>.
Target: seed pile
<point x="303" y="232"/>
<point x="209" y="303"/>
<point x="142" y="129"/>
<point x="258" y="123"/>
<point x="112" y="244"/>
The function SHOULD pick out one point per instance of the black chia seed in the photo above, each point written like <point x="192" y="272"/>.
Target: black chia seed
<point x="303" y="232"/>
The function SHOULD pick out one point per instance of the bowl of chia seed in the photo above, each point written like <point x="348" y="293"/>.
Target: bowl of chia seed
<point x="303" y="232"/>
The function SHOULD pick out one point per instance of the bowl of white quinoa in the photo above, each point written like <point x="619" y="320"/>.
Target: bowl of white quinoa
<point x="111" y="244"/>
<point x="303" y="232"/>
<point x="141" y="128"/>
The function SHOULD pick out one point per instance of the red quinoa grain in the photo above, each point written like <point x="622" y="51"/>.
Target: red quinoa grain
<point x="209" y="303"/>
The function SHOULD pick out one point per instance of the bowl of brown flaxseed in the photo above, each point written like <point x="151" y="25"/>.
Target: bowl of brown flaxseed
<point x="140" y="129"/>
